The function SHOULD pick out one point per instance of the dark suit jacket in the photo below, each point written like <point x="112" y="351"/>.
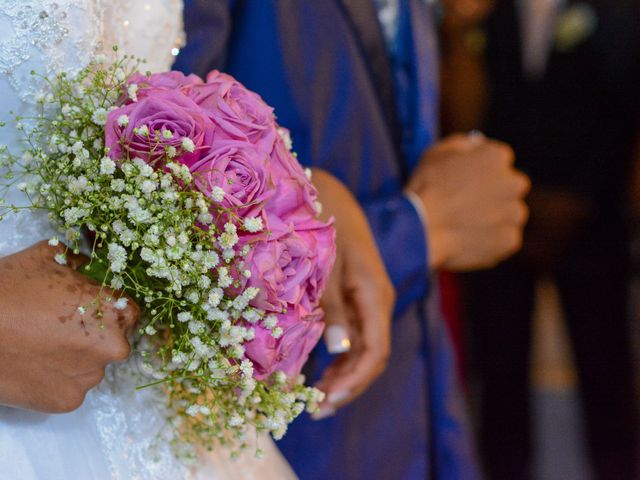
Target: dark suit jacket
<point x="573" y="128"/>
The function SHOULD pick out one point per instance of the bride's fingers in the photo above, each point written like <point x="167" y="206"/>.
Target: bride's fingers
<point x="347" y="379"/>
<point x="337" y="334"/>
<point x="354" y="372"/>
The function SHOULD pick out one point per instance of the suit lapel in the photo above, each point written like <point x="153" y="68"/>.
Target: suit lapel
<point x="363" y="18"/>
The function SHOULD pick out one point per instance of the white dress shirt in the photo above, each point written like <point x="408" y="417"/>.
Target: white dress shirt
<point x="537" y="25"/>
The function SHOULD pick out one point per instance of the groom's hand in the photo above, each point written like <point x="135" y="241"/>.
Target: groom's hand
<point x="474" y="202"/>
<point x="50" y="353"/>
<point x="358" y="302"/>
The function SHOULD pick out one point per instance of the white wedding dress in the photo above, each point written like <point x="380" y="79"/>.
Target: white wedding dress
<point x="114" y="435"/>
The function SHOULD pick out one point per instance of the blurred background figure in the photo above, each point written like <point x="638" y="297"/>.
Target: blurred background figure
<point x="559" y="81"/>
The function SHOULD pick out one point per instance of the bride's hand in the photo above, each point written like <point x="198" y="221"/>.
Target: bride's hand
<point x="50" y="354"/>
<point x="358" y="302"/>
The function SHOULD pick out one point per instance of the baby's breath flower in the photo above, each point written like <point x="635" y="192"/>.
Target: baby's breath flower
<point x="217" y="194"/>
<point x="117" y="257"/>
<point x="118" y="185"/>
<point x="224" y="279"/>
<point x="120" y="75"/>
<point x="54" y="241"/>
<point x="196" y="327"/>
<point x="117" y="283"/>
<point x="253" y="224"/>
<point x="188" y="145"/>
<point x="192" y="296"/>
<point x="270" y="321"/>
<point x="251" y="315"/>
<point x="236" y="420"/>
<point x="148" y="186"/>
<point x="193" y="410"/>
<point x="246" y="366"/>
<point x="61" y="258"/>
<point x="99" y="116"/>
<point x="210" y="259"/>
<point x="215" y="297"/>
<point x="132" y="90"/>
<point x="107" y="166"/>
<point x="121" y="303"/>
<point x="150" y="330"/>
<point x="73" y="214"/>
<point x="230" y="237"/>
<point x="78" y="185"/>
<point x="205" y="218"/>
<point x="123" y="120"/>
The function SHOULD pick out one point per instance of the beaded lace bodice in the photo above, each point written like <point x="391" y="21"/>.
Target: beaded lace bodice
<point x="49" y="36"/>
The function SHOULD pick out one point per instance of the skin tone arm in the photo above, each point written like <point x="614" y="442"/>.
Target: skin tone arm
<point x="359" y="300"/>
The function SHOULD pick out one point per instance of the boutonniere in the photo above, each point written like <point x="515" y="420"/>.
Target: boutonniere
<point x="574" y="26"/>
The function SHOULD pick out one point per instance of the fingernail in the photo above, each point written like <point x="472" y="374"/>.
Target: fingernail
<point x="324" y="412"/>
<point x="338" y="397"/>
<point x="476" y="136"/>
<point x="337" y="339"/>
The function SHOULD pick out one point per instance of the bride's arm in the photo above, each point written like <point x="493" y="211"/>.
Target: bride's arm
<point x="50" y="353"/>
<point x="359" y="299"/>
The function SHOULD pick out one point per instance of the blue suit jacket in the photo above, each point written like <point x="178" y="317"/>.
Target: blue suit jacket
<point x="323" y="65"/>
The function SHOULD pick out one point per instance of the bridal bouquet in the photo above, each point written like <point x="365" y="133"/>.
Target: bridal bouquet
<point x="194" y="205"/>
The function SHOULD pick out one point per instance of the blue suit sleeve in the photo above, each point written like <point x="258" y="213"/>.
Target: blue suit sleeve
<point x="400" y="236"/>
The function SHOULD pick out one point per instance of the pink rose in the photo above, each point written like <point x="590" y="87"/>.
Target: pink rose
<point x="151" y="128"/>
<point x="292" y="266"/>
<point x="164" y="81"/>
<point x="240" y="170"/>
<point x="240" y="113"/>
<point x="290" y="352"/>
<point x="294" y="196"/>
